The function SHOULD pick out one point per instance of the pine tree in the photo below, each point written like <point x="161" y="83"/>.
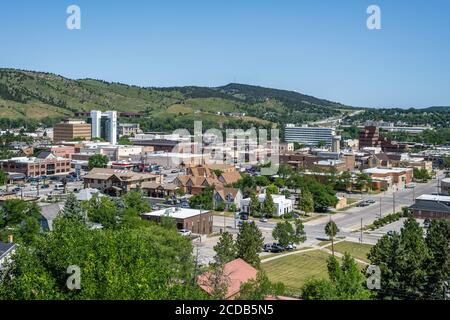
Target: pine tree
<point x="73" y="210"/>
<point x="249" y="243"/>
<point x="225" y="249"/>
<point x="438" y="264"/>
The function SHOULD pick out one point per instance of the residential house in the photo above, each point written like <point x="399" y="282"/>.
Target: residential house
<point x="49" y="213"/>
<point x="6" y="250"/>
<point x="235" y="273"/>
<point x="200" y="177"/>
<point x="228" y="196"/>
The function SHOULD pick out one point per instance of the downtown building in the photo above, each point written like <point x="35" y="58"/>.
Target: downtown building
<point x="70" y="130"/>
<point x="104" y="125"/>
<point x="310" y="136"/>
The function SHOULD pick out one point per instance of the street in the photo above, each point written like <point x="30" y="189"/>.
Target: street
<point x="348" y="221"/>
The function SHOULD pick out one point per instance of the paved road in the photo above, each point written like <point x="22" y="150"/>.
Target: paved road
<point x="349" y="221"/>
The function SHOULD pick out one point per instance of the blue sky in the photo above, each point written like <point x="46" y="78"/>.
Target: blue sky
<point x="322" y="47"/>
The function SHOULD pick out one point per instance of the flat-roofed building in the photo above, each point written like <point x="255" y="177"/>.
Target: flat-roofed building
<point x="311" y="136"/>
<point x="129" y="129"/>
<point x="369" y="137"/>
<point x="45" y="164"/>
<point x="195" y="220"/>
<point x="69" y="130"/>
<point x="392" y="178"/>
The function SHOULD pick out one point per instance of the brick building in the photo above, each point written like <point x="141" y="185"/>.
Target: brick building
<point x="369" y="137"/>
<point x="197" y="221"/>
<point x="45" y="164"/>
<point x="431" y="206"/>
<point x="390" y="178"/>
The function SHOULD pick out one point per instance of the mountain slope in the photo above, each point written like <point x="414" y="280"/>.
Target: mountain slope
<point x="36" y="95"/>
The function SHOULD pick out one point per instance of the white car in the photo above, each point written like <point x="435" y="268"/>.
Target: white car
<point x="185" y="232"/>
<point x="291" y="246"/>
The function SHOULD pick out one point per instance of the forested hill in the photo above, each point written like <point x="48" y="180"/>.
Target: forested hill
<point x="38" y="95"/>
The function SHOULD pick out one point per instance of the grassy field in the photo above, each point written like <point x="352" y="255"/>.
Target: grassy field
<point x="296" y="269"/>
<point x="357" y="250"/>
<point x="270" y="255"/>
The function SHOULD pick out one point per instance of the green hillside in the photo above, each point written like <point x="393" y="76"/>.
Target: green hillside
<point x="37" y="95"/>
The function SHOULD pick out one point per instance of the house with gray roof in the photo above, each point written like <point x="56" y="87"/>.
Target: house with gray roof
<point x="6" y="250"/>
<point x="49" y="212"/>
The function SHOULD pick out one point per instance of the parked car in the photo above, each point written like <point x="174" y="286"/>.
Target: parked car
<point x="59" y="186"/>
<point x="184" y="205"/>
<point x="427" y="223"/>
<point x="370" y="201"/>
<point x="291" y="246"/>
<point x="275" y="248"/>
<point x="17" y="189"/>
<point x="185" y="232"/>
<point x="174" y="171"/>
<point x="243" y="216"/>
<point x="267" y="247"/>
<point x="263" y="220"/>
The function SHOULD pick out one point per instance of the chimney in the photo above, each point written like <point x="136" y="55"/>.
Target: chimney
<point x="10" y="238"/>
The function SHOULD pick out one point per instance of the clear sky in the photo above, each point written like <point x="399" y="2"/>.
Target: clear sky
<point x="317" y="47"/>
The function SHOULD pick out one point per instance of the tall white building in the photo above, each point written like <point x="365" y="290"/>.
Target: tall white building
<point x="104" y="125"/>
<point x="309" y="135"/>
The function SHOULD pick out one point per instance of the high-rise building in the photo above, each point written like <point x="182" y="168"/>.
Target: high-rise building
<point x="69" y="130"/>
<point x="310" y="136"/>
<point x="104" y="125"/>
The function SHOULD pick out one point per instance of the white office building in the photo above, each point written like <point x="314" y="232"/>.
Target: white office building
<point x="310" y="136"/>
<point x="104" y="125"/>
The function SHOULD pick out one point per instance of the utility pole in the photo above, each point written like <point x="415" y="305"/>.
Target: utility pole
<point x="393" y="202"/>
<point x="224" y="222"/>
<point x="380" y="208"/>
<point x="361" y="230"/>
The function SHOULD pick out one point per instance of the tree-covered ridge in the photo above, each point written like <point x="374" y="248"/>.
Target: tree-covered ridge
<point x="28" y="94"/>
<point x="434" y="116"/>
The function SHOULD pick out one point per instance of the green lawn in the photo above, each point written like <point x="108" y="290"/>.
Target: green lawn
<point x="357" y="250"/>
<point x="270" y="255"/>
<point x="295" y="269"/>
